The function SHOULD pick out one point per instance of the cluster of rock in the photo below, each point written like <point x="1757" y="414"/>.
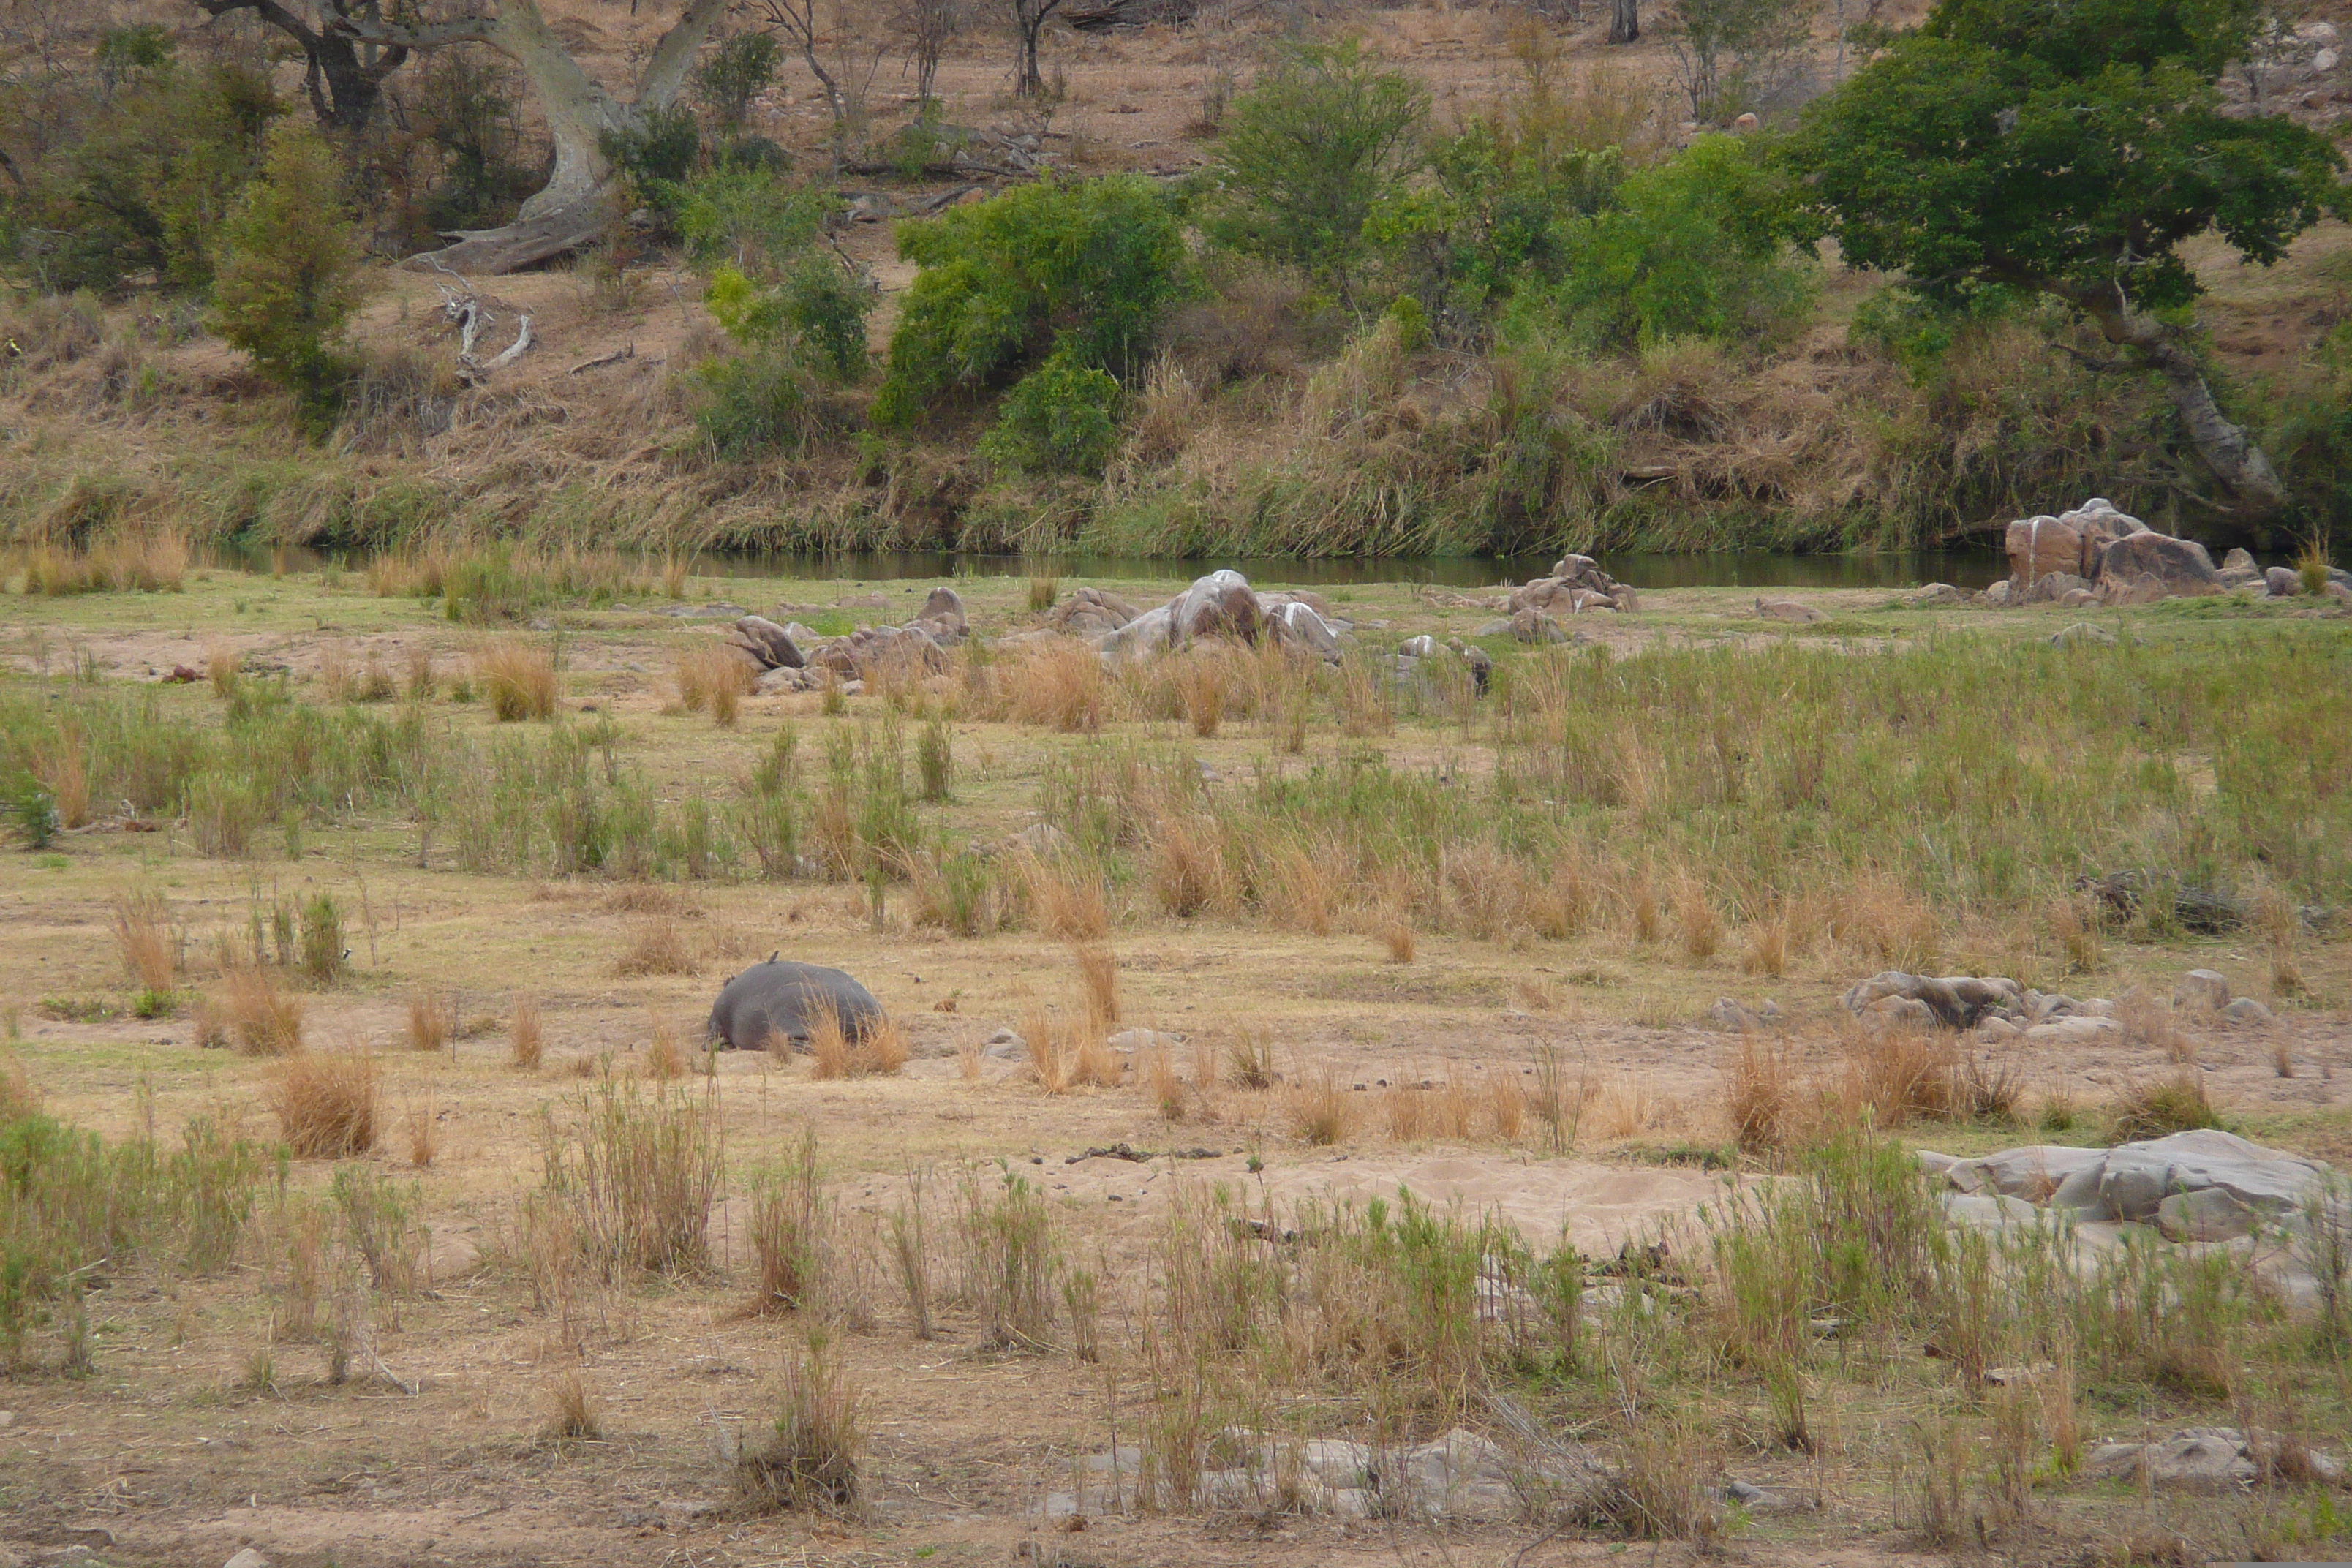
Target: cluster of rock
<point x="792" y="658"/>
<point x="1413" y="654"/>
<point x="2213" y="1460"/>
<point x="2097" y="554"/>
<point x="1999" y="1009"/>
<point x="1221" y="604"/>
<point x="2201" y="1186"/>
<point x="2292" y="71"/>
<point x="1576" y="585"/>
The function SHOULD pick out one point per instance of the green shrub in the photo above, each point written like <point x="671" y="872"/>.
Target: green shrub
<point x="1059" y="419"/>
<point x="655" y="154"/>
<point x="288" y="278"/>
<point x="755" y="403"/>
<point x="1081" y="269"/>
<point x="815" y="313"/>
<point x="1697" y="246"/>
<point x="734" y="74"/>
<point x="1308" y="153"/>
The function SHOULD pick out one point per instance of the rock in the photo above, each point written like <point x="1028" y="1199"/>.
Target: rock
<point x="2053" y="586"/>
<point x="2144" y="589"/>
<point x="2137" y="1177"/>
<point x="2075" y="1032"/>
<point x="1150" y="633"/>
<point x="784" y="999"/>
<point x="942" y="615"/>
<point x="2237" y="561"/>
<point x="1533" y="625"/>
<point x="1998" y="1031"/>
<point x="1935" y="594"/>
<point x="1501" y="629"/>
<point x="1461" y="1475"/>
<point x="2337" y="592"/>
<point x="2209" y="1215"/>
<point x="2181" y="565"/>
<point x="1999" y="595"/>
<point x="1745" y="123"/>
<point x="1955" y="1001"/>
<point x="1004" y="1045"/>
<point x="1733" y="1018"/>
<point x="1624" y="599"/>
<point x="2082" y="632"/>
<point x="247" y="1558"/>
<point x="1422" y="646"/>
<point x="2035" y="1174"/>
<point x="1089" y="612"/>
<point x="1218" y="604"/>
<point x="1297" y="625"/>
<point x="2245" y="1013"/>
<point x="2039" y="547"/>
<point x="1787" y="610"/>
<point x="2315" y="32"/>
<point x="1906" y="1011"/>
<point x="2325" y="60"/>
<point x="2202" y="1458"/>
<point x="769" y="644"/>
<point x="2202" y="988"/>
<point x="2281" y="583"/>
<point x="2236" y="578"/>
<point x="776" y="682"/>
<point x="1986" y="1213"/>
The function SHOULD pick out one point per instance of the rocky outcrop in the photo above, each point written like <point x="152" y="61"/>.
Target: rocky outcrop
<point x="1576" y="585"/>
<point x="1090" y="613"/>
<point x="2133" y="1183"/>
<point x="2212" y="1459"/>
<point x="2180" y="566"/>
<point x="1221" y="604"/>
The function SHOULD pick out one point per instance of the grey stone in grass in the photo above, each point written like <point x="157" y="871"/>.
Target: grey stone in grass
<point x="2245" y="1013"/>
<point x="2202" y="988"/>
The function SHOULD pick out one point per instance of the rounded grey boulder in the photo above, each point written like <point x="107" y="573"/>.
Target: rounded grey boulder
<point x="784" y="999"/>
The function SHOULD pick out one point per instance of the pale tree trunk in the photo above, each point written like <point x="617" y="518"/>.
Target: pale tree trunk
<point x="2243" y="467"/>
<point x="577" y="202"/>
<point x="1624" y="21"/>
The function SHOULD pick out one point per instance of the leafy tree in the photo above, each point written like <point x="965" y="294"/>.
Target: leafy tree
<point x="342" y="77"/>
<point x="1309" y="152"/>
<point x="1696" y="246"/>
<point x="1081" y="269"/>
<point x="2066" y="148"/>
<point x="1730" y="55"/>
<point x="1504" y="191"/>
<point x="288" y="276"/>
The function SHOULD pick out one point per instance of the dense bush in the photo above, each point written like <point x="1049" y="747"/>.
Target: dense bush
<point x="160" y="153"/>
<point x="1080" y="269"/>
<point x="1308" y="153"/>
<point x="1060" y="419"/>
<point x="1697" y="246"/>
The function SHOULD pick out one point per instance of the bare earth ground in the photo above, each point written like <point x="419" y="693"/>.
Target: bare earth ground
<point x="164" y="1457"/>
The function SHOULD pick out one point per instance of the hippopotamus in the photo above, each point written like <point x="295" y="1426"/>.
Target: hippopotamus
<point x="784" y="999"/>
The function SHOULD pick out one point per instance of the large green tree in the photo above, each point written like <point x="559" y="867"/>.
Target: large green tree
<point x="2067" y="148"/>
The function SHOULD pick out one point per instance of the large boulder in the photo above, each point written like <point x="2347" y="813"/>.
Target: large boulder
<point x="1295" y="624"/>
<point x="1147" y="633"/>
<point x="1218" y="604"/>
<point x="2041" y="547"/>
<point x="2180" y="564"/>
<point x="1089" y="612"/>
<point x="1954" y="1001"/>
<point x="2139" y="1177"/>
<point x="2054" y="586"/>
<point x="784" y="999"/>
<point x="2281" y="583"/>
<point x="943" y="616"/>
<point x="771" y="644"/>
<point x="1789" y="610"/>
<point x="2099" y="524"/>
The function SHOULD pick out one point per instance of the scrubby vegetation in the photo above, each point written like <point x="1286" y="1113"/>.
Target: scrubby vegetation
<point x="1361" y="325"/>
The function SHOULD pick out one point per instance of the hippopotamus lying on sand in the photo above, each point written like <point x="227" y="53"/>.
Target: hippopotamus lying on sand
<point x="784" y="1000"/>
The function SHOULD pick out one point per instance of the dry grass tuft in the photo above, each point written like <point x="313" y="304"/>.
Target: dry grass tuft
<point x="1878" y="917"/>
<point x="715" y="677"/>
<point x="519" y="678"/>
<point x="328" y="1104"/>
<point x="2150" y="1023"/>
<point x="657" y="949"/>
<point x="1761" y="1098"/>
<point x="223" y="665"/>
<point x="1099" y="976"/>
<point x="526" y="1039"/>
<point x="1697" y="918"/>
<point x="263" y="1017"/>
<point x="432" y="1021"/>
<point x="1204" y="685"/>
<point x="1396" y="937"/>
<point x="2154" y="1108"/>
<point x="665" y="1058"/>
<point x="879" y="1052"/>
<point x="1316" y="1105"/>
<point x="419" y="1124"/>
<point x="571" y="1409"/>
<point x="816" y="1459"/>
<point x="1059" y="685"/>
<point x="1068" y="898"/>
<point x="149" y="947"/>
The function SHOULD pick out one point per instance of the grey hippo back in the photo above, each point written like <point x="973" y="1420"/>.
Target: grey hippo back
<point x="784" y="998"/>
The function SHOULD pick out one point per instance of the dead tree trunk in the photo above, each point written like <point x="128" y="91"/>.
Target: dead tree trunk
<point x="1624" y="21"/>
<point x="1028" y="21"/>
<point x="342" y="77"/>
<point x="576" y="204"/>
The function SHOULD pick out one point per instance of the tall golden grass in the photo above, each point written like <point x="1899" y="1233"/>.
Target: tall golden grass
<point x="328" y="1103"/>
<point x="519" y="678"/>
